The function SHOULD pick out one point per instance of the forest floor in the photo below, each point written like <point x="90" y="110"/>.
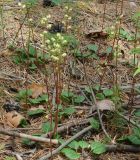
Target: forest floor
<point x="90" y="22"/>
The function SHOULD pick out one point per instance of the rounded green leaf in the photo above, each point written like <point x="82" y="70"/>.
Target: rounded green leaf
<point x="98" y="147"/>
<point x="71" y="154"/>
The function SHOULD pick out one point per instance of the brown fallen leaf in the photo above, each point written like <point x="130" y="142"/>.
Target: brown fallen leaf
<point x="106" y="105"/>
<point x="97" y="34"/>
<point x="37" y="89"/>
<point x="14" y="118"/>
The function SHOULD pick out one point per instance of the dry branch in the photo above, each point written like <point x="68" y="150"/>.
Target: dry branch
<point x="122" y="148"/>
<point x="46" y="157"/>
<point x="33" y="138"/>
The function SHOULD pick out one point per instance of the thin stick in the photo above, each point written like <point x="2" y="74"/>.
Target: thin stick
<point x="128" y="119"/>
<point x="46" y="157"/>
<point x="22" y="135"/>
<point x="122" y="148"/>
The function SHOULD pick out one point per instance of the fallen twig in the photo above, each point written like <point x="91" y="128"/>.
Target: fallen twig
<point x="46" y="157"/>
<point x="122" y="148"/>
<point x="22" y="135"/>
<point x="128" y="119"/>
<point x="67" y="126"/>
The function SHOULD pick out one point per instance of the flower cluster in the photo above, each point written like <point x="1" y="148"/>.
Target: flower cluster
<point x="44" y="21"/>
<point x="67" y="17"/>
<point x="21" y="5"/>
<point x="55" y="46"/>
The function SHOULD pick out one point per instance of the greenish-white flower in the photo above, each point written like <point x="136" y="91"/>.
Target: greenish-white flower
<point x="48" y="16"/>
<point x="55" y="58"/>
<point x="53" y="39"/>
<point x="48" y="41"/>
<point x="45" y="32"/>
<point x="49" y="26"/>
<point x="23" y="6"/>
<point x="19" y="4"/>
<point x="64" y="54"/>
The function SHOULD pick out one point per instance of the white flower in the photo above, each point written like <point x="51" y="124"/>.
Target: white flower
<point x="55" y="58"/>
<point x="53" y="39"/>
<point x="48" y="41"/>
<point x="66" y="16"/>
<point x="57" y="45"/>
<point x="30" y="20"/>
<point x="45" y="32"/>
<point x="41" y="35"/>
<point x="20" y="4"/>
<point x="69" y="27"/>
<point x="64" y="42"/>
<point x="44" y="19"/>
<point x="69" y="18"/>
<point x="58" y="35"/>
<point x="42" y="46"/>
<point x="66" y="7"/>
<point x="23" y="6"/>
<point x="48" y="16"/>
<point x="49" y="26"/>
<point x="70" y="9"/>
<point x="64" y="54"/>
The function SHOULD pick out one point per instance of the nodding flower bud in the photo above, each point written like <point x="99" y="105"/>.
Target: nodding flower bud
<point x="41" y="35"/>
<point x="69" y="18"/>
<point x="64" y="54"/>
<point x="69" y="27"/>
<point x="55" y="58"/>
<point x="121" y="16"/>
<point x="23" y="6"/>
<point x="48" y="16"/>
<point x="48" y="41"/>
<point x="57" y="45"/>
<point x="66" y="7"/>
<point x="53" y="39"/>
<point x="19" y="4"/>
<point x="66" y="16"/>
<point x="70" y="9"/>
<point x="30" y="20"/>
<point x="49" y="26"/>
<point x="58" y="35"/>
<point x="45" y="32"/>
<point x="64" y="42"/>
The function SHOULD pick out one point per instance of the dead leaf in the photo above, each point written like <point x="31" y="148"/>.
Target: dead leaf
<point x="97" y="34"/>
<point x="106" y="105"/>
<point x="14" y="118"/>
<point x="37" y="89"/>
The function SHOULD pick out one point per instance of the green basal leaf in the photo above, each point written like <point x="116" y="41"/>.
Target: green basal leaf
<point x="135" y="51"/>
<point x="23" y="123"/>
<point x="93" y="47"/>
<point x="23" y="93"/>
<point x="98" y="147"/>
<point x="137" y="113"/>
<point x="108" y="92"/>
<point x="36" y="112"/>
<point x="9" y="158"/>
<point x="100" y="96"/>
<point x="134" y="139"/>
<point x="137" y="72"/>
<point x="79" y="99"/>
<point x="83" y="144"/>
<point x="74" y="145"/>
<point x="94" y="123"/>
<point x="28" y="143"/>
<point x="71" y="154"/>
<point x="47" y="127"/>
<point x="69" y="111"/>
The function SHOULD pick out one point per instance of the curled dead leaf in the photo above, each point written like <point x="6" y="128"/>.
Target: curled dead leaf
<point x="106" y="105"/>
<point x="14" y="118"/>
<point x="37" y="89"/>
